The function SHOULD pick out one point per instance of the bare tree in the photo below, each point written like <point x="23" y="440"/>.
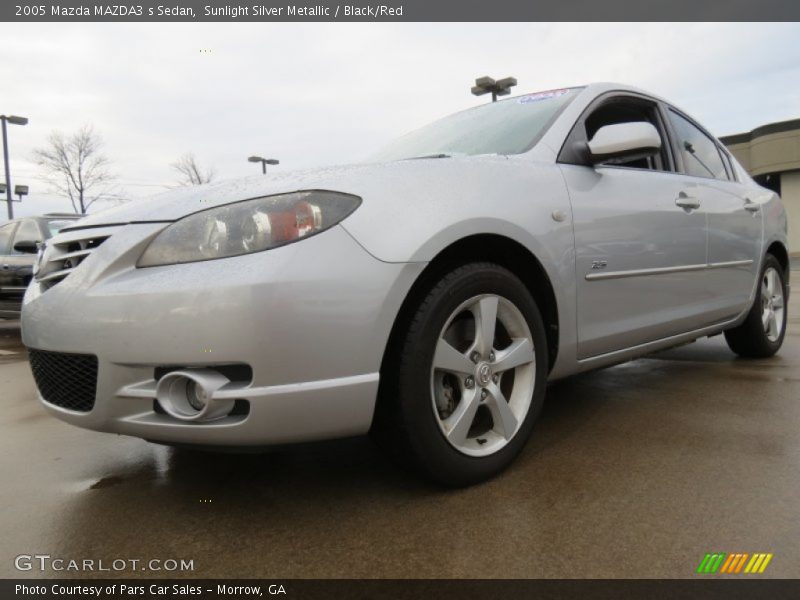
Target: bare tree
<point x="191" y="173"/>
<point x="75" y="166"/>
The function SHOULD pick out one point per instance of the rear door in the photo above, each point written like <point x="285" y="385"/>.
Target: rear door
<point x="639" y="255"/>
<point x="734" y="219"/>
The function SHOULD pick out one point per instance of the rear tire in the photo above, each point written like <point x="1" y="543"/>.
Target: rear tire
<point x="761" y="334"/>
<point x="465" y="380"/>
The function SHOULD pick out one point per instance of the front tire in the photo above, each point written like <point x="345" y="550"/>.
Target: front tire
<point x="761" y="334"/>
<point x="466" y="380"/>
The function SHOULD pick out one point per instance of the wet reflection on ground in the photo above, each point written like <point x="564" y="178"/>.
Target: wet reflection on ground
<point x="682" y="452"/>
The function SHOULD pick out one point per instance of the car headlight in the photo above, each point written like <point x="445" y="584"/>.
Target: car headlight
<point x="248" y="226"/>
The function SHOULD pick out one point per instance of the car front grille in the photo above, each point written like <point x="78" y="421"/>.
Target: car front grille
<point x="65" y="380"/>
<point x="65" y="252"/>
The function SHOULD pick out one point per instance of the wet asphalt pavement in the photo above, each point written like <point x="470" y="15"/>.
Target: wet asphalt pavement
<point x="634" y="471"/>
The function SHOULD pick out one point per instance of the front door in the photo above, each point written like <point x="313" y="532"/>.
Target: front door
<point x="639" y="257"/>
<point x="640" y="240"/>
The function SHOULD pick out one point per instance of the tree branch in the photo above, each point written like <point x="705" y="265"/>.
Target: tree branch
<point x="74" y="165"/>
<point x="190" y="171"/>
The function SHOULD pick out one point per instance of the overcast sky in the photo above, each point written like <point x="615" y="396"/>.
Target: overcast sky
<point x="332" y="93"/>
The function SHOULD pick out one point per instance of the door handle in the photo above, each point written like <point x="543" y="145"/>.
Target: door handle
<point x="6" y="267"/>
<point x="687" y="202"/>
<point x="751" y="206"/>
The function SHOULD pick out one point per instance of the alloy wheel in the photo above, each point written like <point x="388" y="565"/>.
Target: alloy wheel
<point x="772" y="304"/>
<point x="483" y="375"/>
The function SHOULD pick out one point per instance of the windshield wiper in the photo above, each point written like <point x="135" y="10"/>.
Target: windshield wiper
<point x="441" y="155"/>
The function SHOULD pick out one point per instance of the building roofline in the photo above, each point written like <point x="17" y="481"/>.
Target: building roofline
<point x="779" y="127"/>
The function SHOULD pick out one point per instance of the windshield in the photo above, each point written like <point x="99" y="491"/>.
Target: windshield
<point x="55" y="226"/>
<point x="507" y="127"/>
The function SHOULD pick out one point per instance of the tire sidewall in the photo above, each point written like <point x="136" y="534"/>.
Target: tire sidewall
<point x="771" y="262"/>
<point x="434" y="454"/>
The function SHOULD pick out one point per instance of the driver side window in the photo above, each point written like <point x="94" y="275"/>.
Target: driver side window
<point x="629" y="110"/>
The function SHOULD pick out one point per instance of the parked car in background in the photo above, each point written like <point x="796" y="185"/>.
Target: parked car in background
<point x="427" y="297"/>
<point x="19" y="244"/>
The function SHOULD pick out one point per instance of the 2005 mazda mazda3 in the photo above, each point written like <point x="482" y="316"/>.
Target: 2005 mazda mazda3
<point x="426" y="297"/>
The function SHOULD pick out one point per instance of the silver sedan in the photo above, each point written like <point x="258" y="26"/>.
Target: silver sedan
<point x="425" y="297"/>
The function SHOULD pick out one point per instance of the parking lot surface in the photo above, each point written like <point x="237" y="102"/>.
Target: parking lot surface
<point x="634" y="471"/>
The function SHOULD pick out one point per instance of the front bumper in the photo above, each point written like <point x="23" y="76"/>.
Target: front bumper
<point x="311" y="319"/>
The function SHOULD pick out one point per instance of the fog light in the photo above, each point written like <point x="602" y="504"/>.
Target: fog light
<point x="195" y="396"/>
<point x="189" y="395"/>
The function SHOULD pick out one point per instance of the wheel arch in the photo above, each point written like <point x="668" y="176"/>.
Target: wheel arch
<point x="495" y="248"/>
<point x="779" y="251"/>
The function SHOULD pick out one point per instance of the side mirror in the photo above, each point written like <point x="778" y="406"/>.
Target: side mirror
<point x="27" y="246"/>
<point x="628" y="141"/>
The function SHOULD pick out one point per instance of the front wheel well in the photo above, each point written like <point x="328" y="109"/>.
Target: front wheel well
<point x="778" y="250"/>
<point x="485" y="248"/>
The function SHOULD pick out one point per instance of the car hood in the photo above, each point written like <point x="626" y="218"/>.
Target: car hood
<point x="410" y="209"/>
<point x="369" y="181"/>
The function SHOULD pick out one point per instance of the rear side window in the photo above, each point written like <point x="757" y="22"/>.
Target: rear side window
<point x="701" y="156"/>
<point x="5" y="237"/>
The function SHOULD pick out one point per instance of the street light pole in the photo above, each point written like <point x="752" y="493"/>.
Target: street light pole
<point x="8" y="175"/>
<point x="14" y="121"/>
<point x="20" y="191"/>
<point x="501" y="87"/>
<point x="264" y="162"/>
